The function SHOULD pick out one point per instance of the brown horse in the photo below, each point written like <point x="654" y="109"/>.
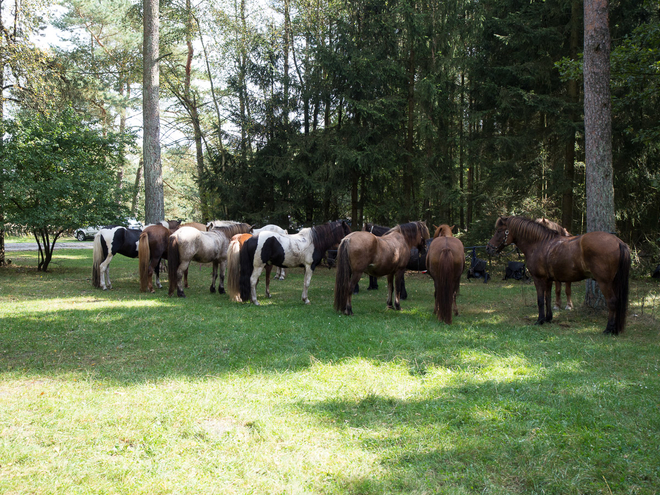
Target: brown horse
<point x="377" y="256"/>
<point x="569" y="302"/>
<point x="551" y="256"/>
<point x="234" y="266"/>
<point x="446" y="261"/>
<point x="152" y="247"/>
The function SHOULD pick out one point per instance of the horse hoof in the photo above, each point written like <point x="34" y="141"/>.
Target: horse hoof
<point x="256" y="303"/>
<point x="152" y="291"/>
<point x="569" y="308"/>
<point x="539" y="322"/>
<point x="556" y="308"/>
<point x="221" y="291"/>
<point x="212" y="289"/>
<point x="307" y="301"/>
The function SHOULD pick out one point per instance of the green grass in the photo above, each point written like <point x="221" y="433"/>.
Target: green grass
<point x="124" y="392"/>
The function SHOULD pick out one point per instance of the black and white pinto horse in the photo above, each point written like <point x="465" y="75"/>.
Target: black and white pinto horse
<point x="306" y="248"/>
<point x="113" y="240"/>
<point x="190" y="244"/>
<point x="280" y="274"/>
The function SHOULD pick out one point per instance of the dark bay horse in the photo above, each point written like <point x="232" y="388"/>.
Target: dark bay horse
<point x="551" y="256"/>
<point x="189" y="244"/>
<point x="152" y="247"/>
<point x="378" y="256"/>
<point x="113" y="240"/>
<point x="306" y="248"/>
<point x="569" y="302"/>
<point x="446" y="261"/>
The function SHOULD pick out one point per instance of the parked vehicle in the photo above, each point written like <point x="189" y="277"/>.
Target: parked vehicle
<point x="89" y="232"/>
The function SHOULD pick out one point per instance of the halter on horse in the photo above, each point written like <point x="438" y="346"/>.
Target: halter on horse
<point x="553" y="257"/>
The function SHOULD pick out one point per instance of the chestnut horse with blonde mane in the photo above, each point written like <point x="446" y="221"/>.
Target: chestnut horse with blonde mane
<point x="363" y="252"/>
<point x="445" y="261"/>
<point x="552" y="257"/>
<point x="234" y="266"/>
<point x="152" y="248"/>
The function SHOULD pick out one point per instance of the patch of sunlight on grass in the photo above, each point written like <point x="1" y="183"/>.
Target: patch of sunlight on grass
<point x="50" y="305"/>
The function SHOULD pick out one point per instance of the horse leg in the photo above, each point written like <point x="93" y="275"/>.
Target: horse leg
<point x="355" y="278"/>
<point x="373" y="283"/>
<point x="185" y="278"/>
<point x="404" y="292"/>
<point x="548" y="301"/>
<point x="557" y="305"/>
<point x="280" y="273"/>
<point x="214" y="277"/>
<point x="157" y="272"/>
<point x="541" y="292"/>
<point x="254" y="278"/>
<point x="221" y="274"/>
<point x="183" y="268"/>
<point x="610" y="298"/>
<point x="269" y="269"/>
<point x="105" y="273"/>
<point x="569" y="301"/>
<point x="308" y="279"/>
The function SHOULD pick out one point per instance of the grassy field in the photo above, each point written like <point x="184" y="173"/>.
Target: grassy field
<point x="124" y="392"/>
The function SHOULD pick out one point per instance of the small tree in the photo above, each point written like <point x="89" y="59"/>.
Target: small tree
<point x="58" y="173"/>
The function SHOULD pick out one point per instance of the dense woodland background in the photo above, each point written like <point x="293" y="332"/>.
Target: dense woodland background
<point x="297" y="112"/>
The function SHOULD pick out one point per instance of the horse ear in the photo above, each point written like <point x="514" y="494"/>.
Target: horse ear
<point x="452" y="227"/>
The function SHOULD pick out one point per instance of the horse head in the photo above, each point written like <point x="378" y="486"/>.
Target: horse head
<point x="501" y="237"/>
<point x="444" y="230"/>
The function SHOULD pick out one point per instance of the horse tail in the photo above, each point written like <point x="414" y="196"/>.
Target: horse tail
<point x="144" y="255"/>
<point x="246" y="262"/>
<point x="621" y="288"/>
<point x="234" y="271"/>
<point x="97" y="259"/>
<point x="444" y="286"/>
<point x="172" y="263"/>
<point x="343" y="276"/>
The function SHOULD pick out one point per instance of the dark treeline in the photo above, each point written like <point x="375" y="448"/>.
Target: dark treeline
<point x="451" y="112"/>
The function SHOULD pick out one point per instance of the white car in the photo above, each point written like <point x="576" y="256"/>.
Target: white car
<point x="89" y="232"/>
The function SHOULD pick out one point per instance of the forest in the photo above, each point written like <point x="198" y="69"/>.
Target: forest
<point x="297" y="112"/>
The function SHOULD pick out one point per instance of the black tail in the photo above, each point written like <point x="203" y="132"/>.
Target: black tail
<point x="343" y="277"/>
<point x="172" y="263"/>
<point x="247" y="267"/>
<point x="621" y="288"/>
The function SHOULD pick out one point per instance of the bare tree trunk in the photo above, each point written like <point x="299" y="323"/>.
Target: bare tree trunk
<point x="597" y="128"/>
<point x="136" y="191"/>
<point x="154" y="204"/>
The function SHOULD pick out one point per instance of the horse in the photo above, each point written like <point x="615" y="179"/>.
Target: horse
<point x="551" y="256"/>
<point x="281" y="273"/>
<point x="569" y="302"/>
<point x="110" y="241"/>
<point x="189" y="244"/>
<point x="446" y="261"/>
<point x="199" y="226"/>
<point x="152" y="247"/>
<point x="306" y="248"/>
<point x="378" y="256"/>
<point x="234" y="266"/>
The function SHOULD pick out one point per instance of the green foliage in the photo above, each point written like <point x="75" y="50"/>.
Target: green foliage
<point x="59" y="173"/>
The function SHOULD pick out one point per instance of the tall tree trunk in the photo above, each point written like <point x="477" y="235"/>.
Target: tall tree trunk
<point x="136" y="190"/>
<point x="597" y="127"/>
<point x="154" y="203"/>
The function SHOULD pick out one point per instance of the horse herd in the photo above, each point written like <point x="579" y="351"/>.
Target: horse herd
<point x="235" y="248"/>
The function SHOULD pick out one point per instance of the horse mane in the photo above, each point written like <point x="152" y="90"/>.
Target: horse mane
<point x="410" y="230"/>
<point x="553" y="226"/>
<point x="327" y="235"/>
<point x="527" y="228"/>
<point x="443" y="230"/>
<point x="231" y="229"/>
